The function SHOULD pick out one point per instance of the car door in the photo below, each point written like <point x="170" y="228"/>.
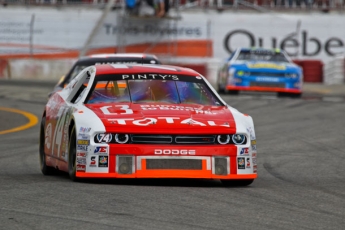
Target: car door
<point x="59" y="112"/>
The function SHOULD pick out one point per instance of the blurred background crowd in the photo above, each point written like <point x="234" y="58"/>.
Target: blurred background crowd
<point x="162" y="6"/>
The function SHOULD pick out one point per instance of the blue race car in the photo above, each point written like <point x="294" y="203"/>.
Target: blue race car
<point x="259" y="69"/>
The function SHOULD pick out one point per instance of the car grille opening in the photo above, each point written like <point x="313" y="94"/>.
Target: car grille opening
<point x="172" y="139"/>
<point x="158" y="139"/>
<point x="268" y="84"/>
<point x="188" y="164"/>
<point x="266" y="74"/>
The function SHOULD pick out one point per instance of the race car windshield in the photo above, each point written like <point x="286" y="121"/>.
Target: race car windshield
<point x="262" y="56"/>
<point x="154" y="90"/>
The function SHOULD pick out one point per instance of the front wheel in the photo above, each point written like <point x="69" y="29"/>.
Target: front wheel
<point x="291" y="95"/>
<point x="220" y="90"/>
<point x="72" y="153"/>
<point x="45" y="169"/>
<point x="237" y="183"/>
<point x="232" y="92"/>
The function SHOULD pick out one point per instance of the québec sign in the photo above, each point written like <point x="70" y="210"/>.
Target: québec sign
<point x="294" y="44"/>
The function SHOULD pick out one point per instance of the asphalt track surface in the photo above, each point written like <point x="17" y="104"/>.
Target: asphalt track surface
<point x="300" y="185"/>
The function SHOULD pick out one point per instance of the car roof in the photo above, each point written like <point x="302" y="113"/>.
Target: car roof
<point x="261" y="49"/>
<point x="137" y="68"/>
<point x="118" y="57"/>
<point x="107" y="55"/>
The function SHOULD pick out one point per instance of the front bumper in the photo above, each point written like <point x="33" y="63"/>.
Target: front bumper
<point x="164" y="161"/>
<point x="264" y="89"/>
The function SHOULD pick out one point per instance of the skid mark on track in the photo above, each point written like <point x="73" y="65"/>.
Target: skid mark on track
<point x="269" y="168"/>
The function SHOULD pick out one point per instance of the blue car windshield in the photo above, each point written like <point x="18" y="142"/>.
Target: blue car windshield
<point x="262" y="56"/>
<point x="146" y="91"/>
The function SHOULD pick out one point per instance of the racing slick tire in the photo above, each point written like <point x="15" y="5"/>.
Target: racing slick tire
<point x="220" y="90"/>
<point x="72" y="155"/>
<point x="292" y="95"/>
<point x="232" y="92"/>
<point x="45" y="169"/>
<point x="237" y="183"/>
<point x="223" y="90"/>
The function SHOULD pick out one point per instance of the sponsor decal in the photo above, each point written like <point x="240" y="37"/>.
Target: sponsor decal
<point x="117" y="62"/>
<point x="81" y="154"/>
<point x="253" y="142"/>
<point x="104" y="137"/>
<point x="248" y="162"/>
<point x="150" y="76"/>
<point x="253" y="154"/>
<point x="198" y="110"/>
<point x="244" y="151"/>
<point x="266" y="65"/>
<point x="168" y="120"/>
<point x="254" y="147"/>
<point x="255" y="169"/>
<point x="81" y="160"/>
<point x="174" y="152"/>
<point x="83" y="142"/>
<point x="241" y="163"/>
<point x="93" y="162"/>
<point x="101" y="149"/>
<point x="84" y="129"/>
<point x="81" y="168"/>
<point x="126" y="110"/>
<point x="103" y="161"/>
<point x="267" y="79"/>
<point x="83" y="136"/>
<point x="83" y="148"/>
<point x="254" y="161"/>
<point x="251" y="133"/>
<point x="48" y="135"/>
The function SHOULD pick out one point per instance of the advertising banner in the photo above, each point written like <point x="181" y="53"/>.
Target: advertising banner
<point x="197" y="34"/>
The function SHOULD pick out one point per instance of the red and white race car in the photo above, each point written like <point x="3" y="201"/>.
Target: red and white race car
<point x="146" y="121"/>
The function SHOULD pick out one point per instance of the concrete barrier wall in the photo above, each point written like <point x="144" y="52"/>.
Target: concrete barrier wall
<point x="334" y="71"/>
<point x="36" y="69"/>
<point x="53" y="69"/>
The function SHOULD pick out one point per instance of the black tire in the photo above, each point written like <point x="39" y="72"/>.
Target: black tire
<point x="291" y="95"/>
<point x="72" y="155"/>
<point x="45" y="169"/>
<point x="296" y="95"/>
<point x="232" y="92"/>
<point x="220" y="90"/>
<point x="237" y="183"/>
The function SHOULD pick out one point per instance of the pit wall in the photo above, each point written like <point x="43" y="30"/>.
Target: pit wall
<point x="333" y="72"/>
<point x="34" y="69"/>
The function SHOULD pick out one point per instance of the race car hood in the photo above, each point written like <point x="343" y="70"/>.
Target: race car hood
<point x="165" y="118"/>
<point x="264" y="66"/>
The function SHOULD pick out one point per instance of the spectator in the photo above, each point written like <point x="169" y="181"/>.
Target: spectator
<point x="161" y="7"/>
<point x="308" y="3"/>
<point x="282" y="2"/>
